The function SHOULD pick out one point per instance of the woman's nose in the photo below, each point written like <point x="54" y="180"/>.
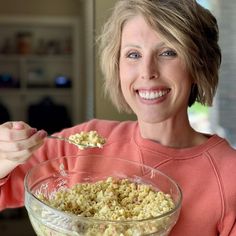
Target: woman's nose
<point x="150" y="69"/>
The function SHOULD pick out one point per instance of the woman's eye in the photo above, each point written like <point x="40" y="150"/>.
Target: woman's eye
<point x="133" y="55"/>
<point x="169" y="53"/>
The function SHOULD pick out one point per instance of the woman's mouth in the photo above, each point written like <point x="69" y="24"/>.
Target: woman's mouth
<point x="152" y="94"/>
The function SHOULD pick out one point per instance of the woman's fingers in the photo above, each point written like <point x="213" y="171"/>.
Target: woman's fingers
<point x="18" y="140"/>
<point x="15" y="130"/>
<point x="22" y="144"/>
<point x="17" y="143"/>
<point x="21" y="156"/>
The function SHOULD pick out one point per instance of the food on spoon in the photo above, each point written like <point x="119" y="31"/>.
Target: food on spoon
<point x="87" y="139"/>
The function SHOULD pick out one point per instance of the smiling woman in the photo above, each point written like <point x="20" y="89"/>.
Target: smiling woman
<point x="154" y="80"/>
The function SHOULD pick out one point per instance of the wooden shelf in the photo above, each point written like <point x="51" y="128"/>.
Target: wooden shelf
<point x="33" y="75"/>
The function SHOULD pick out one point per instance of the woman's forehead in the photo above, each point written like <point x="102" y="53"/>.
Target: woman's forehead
<point x="137" y="26"/>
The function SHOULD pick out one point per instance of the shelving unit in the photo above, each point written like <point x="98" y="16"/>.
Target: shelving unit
<point x="39" y="58"/>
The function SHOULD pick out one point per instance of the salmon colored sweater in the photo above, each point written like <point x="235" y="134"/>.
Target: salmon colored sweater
<point x="205" y="173"/>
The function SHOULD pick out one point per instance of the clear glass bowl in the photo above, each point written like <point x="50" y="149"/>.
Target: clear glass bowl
<point x="64" y="172"/>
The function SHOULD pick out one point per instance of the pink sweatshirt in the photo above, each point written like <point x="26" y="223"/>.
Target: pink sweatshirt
<point x="206" y="174"/>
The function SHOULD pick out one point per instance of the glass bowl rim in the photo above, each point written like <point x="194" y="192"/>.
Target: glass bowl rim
<point x="92" y="219"/>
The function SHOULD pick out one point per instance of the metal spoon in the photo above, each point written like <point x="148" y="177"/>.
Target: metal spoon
<point x="79" y="145"/>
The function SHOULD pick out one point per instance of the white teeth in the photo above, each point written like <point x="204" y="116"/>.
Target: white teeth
<point x="152" y="95"/>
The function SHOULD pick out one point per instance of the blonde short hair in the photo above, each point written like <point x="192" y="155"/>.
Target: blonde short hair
<point x="186" y="25"/>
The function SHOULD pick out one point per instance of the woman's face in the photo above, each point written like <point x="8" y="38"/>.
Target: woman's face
<point x="154" y="79"/>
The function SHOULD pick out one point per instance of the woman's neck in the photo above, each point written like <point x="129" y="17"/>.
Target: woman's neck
<point x="172" y="135"/>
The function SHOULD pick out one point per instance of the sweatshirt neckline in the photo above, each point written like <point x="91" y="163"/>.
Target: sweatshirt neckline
<point x="150" y="145"/>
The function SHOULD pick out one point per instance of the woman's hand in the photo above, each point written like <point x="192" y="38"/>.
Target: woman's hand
<point x="17" y="143"/>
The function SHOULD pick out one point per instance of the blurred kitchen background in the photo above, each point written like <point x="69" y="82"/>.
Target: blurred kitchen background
<point x="50" y="76"/>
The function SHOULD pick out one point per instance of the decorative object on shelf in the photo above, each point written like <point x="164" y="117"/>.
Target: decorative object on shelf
<point x="7" y="46"/>
<point x="62" y="81"/>
<point x="36" y="78"/>
<point x="8" y="81"/>
<point x="53" y="47"/>
<point x="24" y="42"/>
<point x="41" y="47"/>
<point x="67" y="46"/>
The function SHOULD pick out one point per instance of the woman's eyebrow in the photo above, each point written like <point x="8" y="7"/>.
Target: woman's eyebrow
<point x="131" y="45"/>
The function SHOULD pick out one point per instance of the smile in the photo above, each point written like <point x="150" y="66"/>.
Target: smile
<point x="151" y="95"/>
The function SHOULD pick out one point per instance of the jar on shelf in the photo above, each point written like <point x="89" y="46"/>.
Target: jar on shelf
<point x="24" y="42"/>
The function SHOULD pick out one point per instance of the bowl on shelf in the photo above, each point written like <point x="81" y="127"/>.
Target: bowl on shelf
<point x="50" y="177"/>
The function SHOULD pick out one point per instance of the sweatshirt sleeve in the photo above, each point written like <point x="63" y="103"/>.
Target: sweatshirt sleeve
<point x="228" y="227"/>
<point x="226" y="166"/>
<point x="4" y="180"/>
<point x="12" y="186"/>
<point x="233" y="231"/>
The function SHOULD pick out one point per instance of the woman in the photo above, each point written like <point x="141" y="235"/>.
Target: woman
<point x="158" y="58"/>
